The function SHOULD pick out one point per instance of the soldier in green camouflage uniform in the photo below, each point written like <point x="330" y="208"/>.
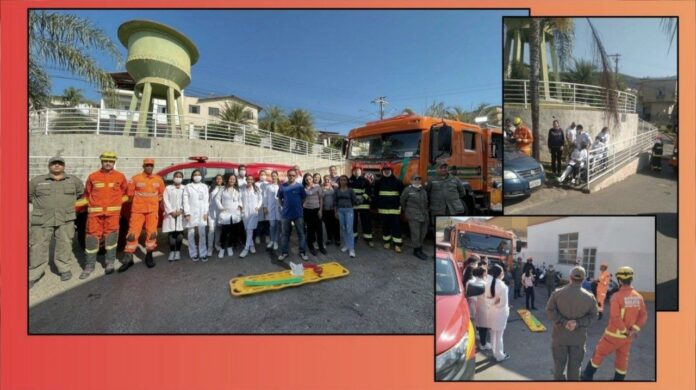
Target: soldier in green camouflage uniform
<point x="53" y="214"/>
<point x="414" y="203"/>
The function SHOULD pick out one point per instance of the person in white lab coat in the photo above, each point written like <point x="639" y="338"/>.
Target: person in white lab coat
<point x="261" y="233"/>
<point x="271" y="209"/>
<point x="213" y="229"/>
<point x="499" y="311"/>
<point x="251" y="205"/>
<point x="481" y="319"/>
<point x="229" y="206"/>
<point x="196" y="205"/>
<point x="173" y="222"/>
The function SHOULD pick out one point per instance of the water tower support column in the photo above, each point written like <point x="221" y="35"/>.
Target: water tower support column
<point x="171" y="115"/>
<point x="131" y="110"/>
<point x="180" y="108"/>
<point x="144" y="108"/>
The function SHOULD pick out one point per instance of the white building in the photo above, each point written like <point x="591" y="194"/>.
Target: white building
<point x="616" y="241"/>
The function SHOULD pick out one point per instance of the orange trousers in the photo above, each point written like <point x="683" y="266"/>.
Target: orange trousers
<point x="135" y="226"/>
<point x="100" y="226"/>
<point x="608" y="345"/>
<point x="525" y="148"/>
<point x="601" y="298"/>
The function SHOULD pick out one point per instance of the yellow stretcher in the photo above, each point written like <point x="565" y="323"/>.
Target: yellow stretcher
<point x="531" y="321"/>
<point x="246" y="285"/>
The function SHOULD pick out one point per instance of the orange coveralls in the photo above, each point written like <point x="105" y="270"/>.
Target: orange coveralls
<point x="146" y="192"/>
<point x="524" y="140"/>
<point x="104" y="193"/>
<point x="627" y="311"/>
<point x="602" y="287"/>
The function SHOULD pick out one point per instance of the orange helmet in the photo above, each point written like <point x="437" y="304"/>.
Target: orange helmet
<point x="387" y="166"/>
<point x="148" y="161"/>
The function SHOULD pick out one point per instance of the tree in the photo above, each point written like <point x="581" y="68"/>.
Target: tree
<point x="535" y="32"/>
<point x="408" y="110"/>
<point x="234" y="113"/>
<point x="64" y="40"/>
<point x="72" y="96"/>
<point x="301" y="125"/>
<point x="274" y="120"/>
<point x="669" y="27"/>
<point x="436" y="110"/>
<point x="582" y="72"/>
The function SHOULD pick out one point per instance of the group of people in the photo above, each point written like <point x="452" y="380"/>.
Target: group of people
<point x="233" y="209"/>
<point x="572" y="309"/>
<point x="572" y="145"/>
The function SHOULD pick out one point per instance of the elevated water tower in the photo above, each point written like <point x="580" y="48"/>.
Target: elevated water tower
<point x="159" y="60"/>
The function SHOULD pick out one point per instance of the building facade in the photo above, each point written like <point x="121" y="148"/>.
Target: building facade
<point x="591" y="241"/>
<point x="657" y="98"/>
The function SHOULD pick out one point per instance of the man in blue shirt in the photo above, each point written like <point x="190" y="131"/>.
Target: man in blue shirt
<point x="291" y="195"/>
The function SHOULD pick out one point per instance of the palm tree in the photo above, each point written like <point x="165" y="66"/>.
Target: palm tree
<point x="72" y="96"/>
<point x="582" y="72"/>
<point x="535" y="31"/>
<point x="234" y="113"/>
<point x="436" y="110"/>
<point x="64" y="40"/>
<point x="301" y="125"/>
<point x="274" y="120"/>
<point x="408" y="110"/>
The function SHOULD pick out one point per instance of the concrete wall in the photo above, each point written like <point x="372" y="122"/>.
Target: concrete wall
<point x="82" y="153"/>
<point x="634" y="166"/>
<point x="591" y="120"/>
<point x="620" y="241"/>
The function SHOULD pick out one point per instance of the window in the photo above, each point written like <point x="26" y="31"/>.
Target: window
<point x="213" y="111"/>
<point x="567" y="248"/>
<point x="161" y="109"/>
<point x="469" y="140"/>
<point x="248" y="114"/>
<point x="390" y="145"/>
<point x="589" y="256"/>
<point x="445" y="278"/>
<point x="194" y="109"/>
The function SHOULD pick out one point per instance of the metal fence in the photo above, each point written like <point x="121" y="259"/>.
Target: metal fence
<point x="100" y="121"/>
<point x="575" y="96"/>
<point x="606" y="160"/>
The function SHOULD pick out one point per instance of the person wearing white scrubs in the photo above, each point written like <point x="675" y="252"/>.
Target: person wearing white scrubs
<point x="251" y="205"/>
<point x="229" y="206"/>
<point x="173" y="222"/>
<point x="498" y="311"/>
<point x="196" y="205"/>
<point x="213" y="228"/>
<point x="271" y="209"/>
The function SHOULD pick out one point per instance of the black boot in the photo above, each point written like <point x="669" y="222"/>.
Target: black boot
<point x="109" y="267"/>
<point x="127" y="262"/>
<point x="89" y="268"/>
<point x="618" y="376"/>
<point x="588" y="373"/>
<point x="599" y="315"/>
<point x="418" y="252"/>
<point x="149" y="260"/>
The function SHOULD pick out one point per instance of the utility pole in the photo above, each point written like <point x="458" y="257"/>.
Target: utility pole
<point x="616" y="61"/>
<point x="382" y="100"/>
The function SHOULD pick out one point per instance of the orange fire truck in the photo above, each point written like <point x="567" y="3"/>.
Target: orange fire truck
<point x="418" y="144"/>
<point x="474" y="237"/>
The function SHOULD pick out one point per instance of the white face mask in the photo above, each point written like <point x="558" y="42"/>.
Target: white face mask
<point x="417" y="185"/>
<point x="262" y="178"/>
<point x="178" y="180"/>
<point x="387" y="173"/>
<point x="197" y="179"/>
<point x="242" y="173"/>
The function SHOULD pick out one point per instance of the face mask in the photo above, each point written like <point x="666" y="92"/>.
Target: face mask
<point x="178" y="180"/>
<point x="417" y="185"/>
<point x="387" y="173"/>
<point x="197" y="179"/>
<point x="242" y="173"/>
<point x="262" y="178"/>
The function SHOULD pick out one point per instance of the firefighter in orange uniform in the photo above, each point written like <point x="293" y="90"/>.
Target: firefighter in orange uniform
<point x="146" y="190"/>
<point x="105" y="191"/>
<point x="628" y="315"/>
<point x="602" y="287"/>
<point x="523" y="136"/>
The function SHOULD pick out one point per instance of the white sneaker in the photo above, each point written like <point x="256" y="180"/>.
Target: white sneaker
<point x="252" y="249"/>
<point x="275" y="246"/>
<point x="304" y="256"/>
<point x="230" y="251"/>
<point x="487" y="347"/>
<point x="221" y="253"/>
<point x="172" y="255"/>
<point x="244" y="253"/>
<point x="269" y="244"/>
<point x="344" y="249"/>
<point x="352" y="253"/>
<point x="177" y="255"/>
<point x="572" y="182"/>
<point x="257" y="241"/>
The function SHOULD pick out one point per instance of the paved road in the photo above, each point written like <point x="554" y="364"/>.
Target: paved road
<point x="384" y="293"/>
<point x="646" y="192"/>
<point x="530" y="353"/>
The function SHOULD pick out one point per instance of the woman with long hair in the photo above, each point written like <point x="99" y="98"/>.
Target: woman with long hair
<point x="499" y="311"/>
<point x="251" y="205"/>
<point x="528" y="284"/>
<point x="213" y="229"/>
<point x="312" y="209"/>
<point x="271" y="209"/>
<point x="345" y="202"/>
<point x="173" y="222"/>
<point x="328" y="216"/>
<point x="196" y="205"/>
<point x="229" y="205"/>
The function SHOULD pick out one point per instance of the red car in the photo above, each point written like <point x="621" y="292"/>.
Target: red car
<point x="209" y="169"/>
<point x="455" y="340"/>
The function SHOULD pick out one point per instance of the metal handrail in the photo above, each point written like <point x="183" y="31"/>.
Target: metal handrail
<point x="577" y="96"/>
<point x="605" y="160"/>
<point x="109" y="121"/>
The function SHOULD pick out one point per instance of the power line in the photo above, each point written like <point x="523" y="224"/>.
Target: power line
<point x="382" y="101"/>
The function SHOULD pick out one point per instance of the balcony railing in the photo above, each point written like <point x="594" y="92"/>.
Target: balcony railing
<point x="571" y="95"/>
<point x="100" y="121"/>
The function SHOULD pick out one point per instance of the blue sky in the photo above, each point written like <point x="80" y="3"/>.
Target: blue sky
<point x="331" y="63"/>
